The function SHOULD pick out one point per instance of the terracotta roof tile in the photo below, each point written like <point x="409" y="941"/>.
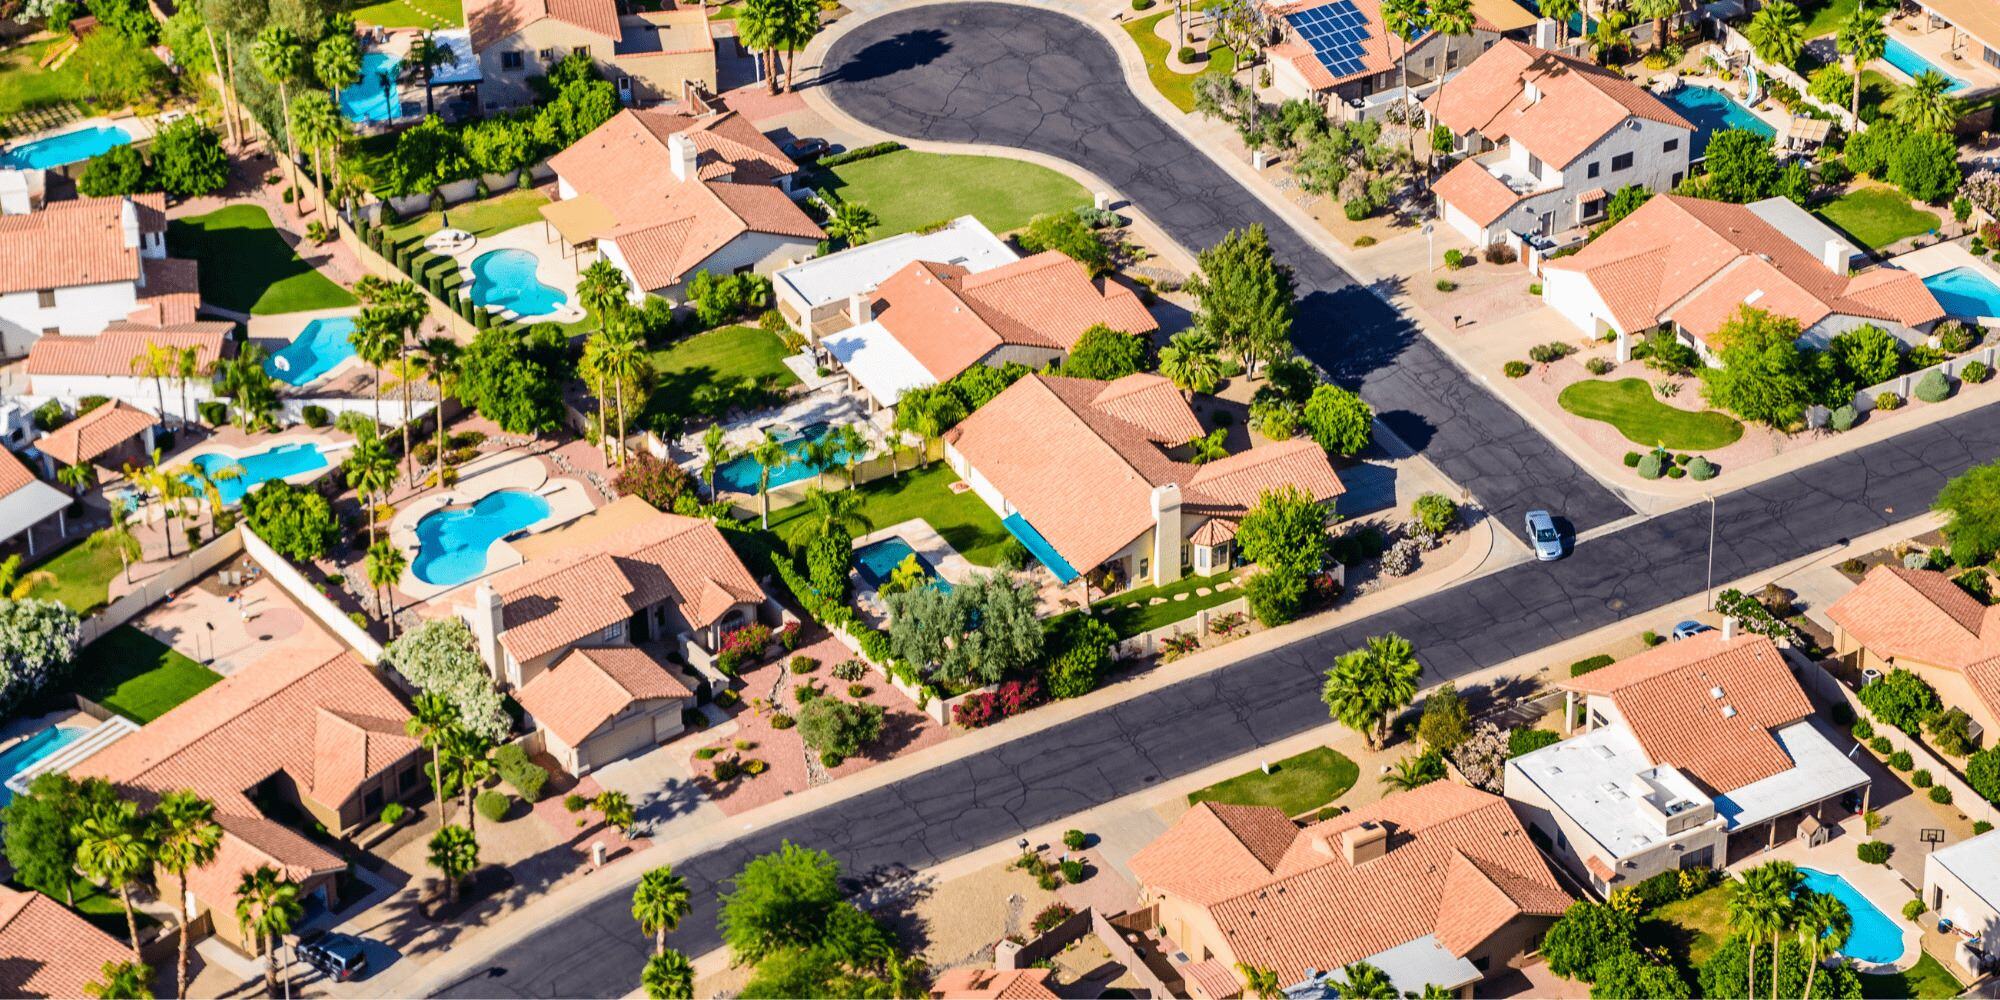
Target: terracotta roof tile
<point x="78" y="242"/>
<point x="94" y="433"/>
<point x="976" y="983"/>
<point x="491" y="21"/>
<point x="13" y="474"/>
<point x="1922" y="615"/>
<point x="111" y="352"/>
<point x="1473" y="190"/>
<point x="1574" y="103"/>
<point x="1152" y="404"/>
<point x="591" y="685"/>
<point x="48" y="951"/>
<point x="1211" y="979"/>
<point x="1378" y="55"/>
<point x="1240" y="480"/>
<point x="171" y="295"/>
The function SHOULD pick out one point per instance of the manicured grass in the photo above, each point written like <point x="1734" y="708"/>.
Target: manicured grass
<point x="1826" y="17"/>
<point x="83" y="575"/>
<point x="1878" y="93"/>
<point x="411" y="14"/>
<point x="247" y="267"/>
<point x="908" y="190"/>
<point x="485" y="217"/>
<point x="1877" y="216"/>
<point x="1926" y="980"/>
<point x="1177" y="88"/>
<point x="964" y="520"/>
<point x="1628" y="405"/>
<point x="1692" y="928"/>
<point x="1295" y="784"/>
<point x="24" y="84"/>
<point x="726" y="13"/>
<point x="1146" y="617"/>
<point x="136" y="675"/>
<point x="703" y="376"/>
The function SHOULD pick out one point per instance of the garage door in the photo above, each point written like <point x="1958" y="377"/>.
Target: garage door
<point x="625" y="739"/>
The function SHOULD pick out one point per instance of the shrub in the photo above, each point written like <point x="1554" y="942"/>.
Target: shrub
<point x="707" y="753"/>
<point x="857" y="690"/>
<point x="805" y="693"/>
<point x="728" y="769"/>
<point x="1873" y="852"/>
<point x="1599" y="366"/>
<point x="987" y="707"/>
<point x="849" y="670"/>
<point x="1454" y="259"/>
<point x="1955" y="337"/>
<point x="1501" y="253"/>
<point x="754" y="767"/>
<point x="1447" y="285"/>
<point x="314" y="415"/>
<point x="1632" y="459"/>
<point x="1933" y="387"/>
<point x="1357" y="209"/>
<point x="780" y="720"/>
<point x="1651" y="466"/>
<point x="1436" y="512"/>
<point x="1075" y="839"/>
<point x="1975" y="372"/>
<point x="727" y="698"/>
<point x="789" y="636"/>
<point x="1913" y="909"/>
<point x="1527" y="741"/>
<point x="1550" y="353"/>
<point x="492" y="805"/>
<point x="1901" y="699"/>
<point x="1598" y="662"/>
<point x="574" y="803"/>
<point x="1901" y="760"/>
<point x="1188" y="54"/>
<point x="1515" y="369"/>
<point x="524" y="775"/>
<point x="1940" y="795"/>
<point x="213" y="412"/>
<point x="1535" y="289"/>
<point x="393" y="813"/>
<point x="1888" y="401"/>
<point x="1675" y="472"/>
<point x="1363" y="241"/>
<point x="1980" y="826"/>
<point x="1650" y="638"/>
<point x="1843" y="417"/>
<point x="1862" y="729"/>
<point x="803" y="665"/>
<point x="1951" y="731"/>
<point x="1700" y="468"/>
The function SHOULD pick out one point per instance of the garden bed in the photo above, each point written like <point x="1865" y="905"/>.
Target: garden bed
<point x="1176" y="87"/>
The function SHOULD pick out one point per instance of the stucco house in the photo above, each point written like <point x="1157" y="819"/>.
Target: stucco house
<point x="1920" y="621"/>
<point x="1552" y="137"/>
<point x="69" y="367"/>
<point x="1088" y="476"/>
<point x="823" y="295"/>
<point x="1340" y="53"/>
<point x="1697" y="753"/>
<point x="1690" y="265"/>
<point x="1437" y="887"/>
<point x="663" y="195"/>
<point x="1962" y="885"/>
<point x="107" y="438"/>
<point x="651" y="56"/>
<point x="75" y="267"/>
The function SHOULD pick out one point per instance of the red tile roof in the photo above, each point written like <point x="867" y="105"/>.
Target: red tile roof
<point x="1473" y="190"/>
<point x="1458" y="866"/>
<point x="1667" y="696"/>
<point x="1379" y="51"/>
<point x="111" y="352"/>
<point x="13" y="474"/>
<point x="1572" y="103"/>
<point x="94" y="433"/>
<point x="591" y="685"/>
<point x="79" y="242"/>
<point x="976" y="983"/>
<point x="1921" y="615"/>
<point x="490" y="21"/>
<point x="171" y="295"/>
<point x="48" y="951"/>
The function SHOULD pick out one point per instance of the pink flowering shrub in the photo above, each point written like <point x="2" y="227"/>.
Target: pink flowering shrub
<point x="988" y="707"/>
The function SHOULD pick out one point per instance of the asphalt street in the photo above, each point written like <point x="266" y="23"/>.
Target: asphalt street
<point x="961" y="72"/>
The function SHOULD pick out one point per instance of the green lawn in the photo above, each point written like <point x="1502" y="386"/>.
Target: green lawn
<point x="247" y="267"/>
<point x="411" y="14"/>
<point x="1878" y="94"/>
<point x="83" y="575"/>
<point x="1927" y="980"/>
<point x="1877" y="216"/>
<point x="1129" y="622"/>
<point x="25" y="85"/>
<point x="1295" y="784"/>
<point x="485" y="217"/>
<point x="136" y="675"/>
<point x="964" y="520"/>
<point x="1628" y="405"/>
<point x="908" y="190"/>
<point x="1827" y="16"/>
<point x="1691" y="928"/>
<point x="702" y="376"/>
<point x="1177" y="88"/>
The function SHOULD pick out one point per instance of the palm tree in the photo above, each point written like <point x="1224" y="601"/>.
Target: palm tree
<point x="1366" y="686"/>
<point x="1405" y="20"/>
<point x="1862" y="39"/>
<point x="432" y="719"/>
<point x="1366" y="982"/>
<point x="670" y="976"/>
<point x="1190" y="362"/>
<point x="1610" y="36"/>
<point x="1260" y="982"/>
<point x="1452" y="19"/>
<point x="248" y="386"/>
<point x="759" y="28"/>
<point x="188" y="366"/>
<point x="78" y="477"/>
<point x="114" y="848"/>
<point x="1823" y="920"/>
<point x="1657" y="11"/>
<point x="186" y="836"/>
<point x="122" y="981"/>
<point x="441" y="368"/>
<point x="371" y="473"/>
<point x="714" y="452"/>
<point x="1413" y="772"/>
<point x="1209" y="447"/>
<point x="850" y="223"/>
<point x="337" y="62"/>
<point x="625" y="361"/>
<point x="119" y="537"/>
<point x="386" y="563"/>
<point x="470" y="756"/>
<point x="400" y="307"/>
<point x="169" y="488"/>
<point x="1778" y="33"/>
<point x="797" y="23"/>
<point x="928" y="415"/>
<point x="281" y="59"/>
<point x="659" y="903"/>
<point x="318" y="124"/>
<point x="850" y="445"/>
<point x="156" y="363"/>
<point x="208" y="479"/>
<point x="616" y="808"/>
<point x="454" y="853"/>
<point x="377" y="338"/>
<point x="1761" y="905"/>
<point x="267" y="905"/>
<point x="1928" y="105"/>
<point x="1561" y="11"/>
<point x="427" y="55"/>
<point x="835" y="511"/>
<point x="16" y="585"/>
<point x="769" y="454"/>
<point x="602" y="288"/>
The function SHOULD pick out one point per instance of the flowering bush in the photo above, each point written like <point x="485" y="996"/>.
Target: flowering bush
<point x="1482" y="757"/>
<point x="789" y="636"/>
<point x="988" y="707"/>
<point x="1227" y="624"/>
<point x="740" y="646"/>
<point x="1179" y="644"/>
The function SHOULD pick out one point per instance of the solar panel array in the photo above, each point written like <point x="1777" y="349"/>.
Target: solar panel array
<point x="1337" y="32"/>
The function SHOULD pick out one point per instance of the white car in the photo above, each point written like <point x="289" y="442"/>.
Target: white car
<point x="1543" y="536"/>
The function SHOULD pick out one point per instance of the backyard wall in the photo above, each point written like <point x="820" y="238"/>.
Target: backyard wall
<point x="154" y="589"/>
<point x="1825" y="687"/>
<point x="1905" y="385"/>
<point x="294" y="583"/>
<point x="1148" y="643"/>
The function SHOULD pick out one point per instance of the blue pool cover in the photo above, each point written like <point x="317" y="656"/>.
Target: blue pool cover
<point x="1039" y="547"/>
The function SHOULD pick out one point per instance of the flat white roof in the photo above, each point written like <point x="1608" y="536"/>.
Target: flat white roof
<point x="33" y="503"/>
<point x="1422" y="962"/>
<point x="1802" y="227"/>
<point x="834" y="277"/>
<point x="878" y="361"/>
<point x="1596" y="779"/>
<point x="1976" y="862"/>
<point x="1819" y="771"/>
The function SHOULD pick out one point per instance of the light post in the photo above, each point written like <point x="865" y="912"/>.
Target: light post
<point x="1709" y="592"/>
<point x="1430" y="248"/>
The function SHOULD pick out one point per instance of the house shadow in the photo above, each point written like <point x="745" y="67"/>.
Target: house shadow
<point x="1353" y="334"/>
<point x="678" y="797"/>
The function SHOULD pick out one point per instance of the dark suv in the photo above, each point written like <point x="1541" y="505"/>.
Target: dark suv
<point x="340" y="956"/>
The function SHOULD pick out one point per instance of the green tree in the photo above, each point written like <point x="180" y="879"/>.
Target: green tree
<point x="371" y="473"/>
<point x="247" y="386"/>
<point x="779" y="901"/>
<point x="1862" y="40"/>
<point x="441" y="370"/>
<point x="1741" y="164"/>
<point x="1446" y="722"/>
<point x="1822" y="918"/>
<point x="117" y="171"/>
<point x="336" y="61"/>
<point x="114" y="847"/>
<point x="1584" y="936"/>
<point x="769" y="454"/>
<point x="616" y="355"/>
<point x="454" y="852"/>
<point x="839" y="728"/>
<point x="1927" y="106"/>
<point x="510" y="381"/>
<point x="318" y="126"/>
<point x="1067" y="234"/>
<point x="267" y="906"/>
<point x="427" y="55"/>
<point x="42" y="830"/>
<point x="760" y="29"/>
<point x="796" y="22"/>
<point x="1765" y="376"/>
<point x="1210" y="447"/>
<point x="1778" y="33"/>
<point x="1366" y="687"/>
<point x="1657" y="11"/>
<point x="1339" y="421"/>
<point x="386" y="563"/>
<point x="1562" y="12"/>
<point x="1901" y="699"/>
<point x="1189" y="361"/>
<point x="1628" y="975"/>
<point x="1245" y="295"/>
<point x="1724" y="973"/>
<point x="1970" y="502"/>
<point x="659" y="903"/>
<point x="1925" y="166"/>
<point x="432" y="720"/>
<point x="119" y="68"/>
<point x="1104" y="354"/>
<point x="1864" y="356"/>
<point x="928" y="413"/>
<point x="1761" y="905"/>
<point x="297" y="522"/>
<point x="185" y="836"/>
<point x="376" y="338"/>
<point x="1285" y="529"/>
<point x="1624" y="202"/>
<point x="668" y="976"/>
<point x="603" y="289"/>
<point x="122" y="981"/>
<point x="1364" y="981"/>
<point x="281" y="59"/>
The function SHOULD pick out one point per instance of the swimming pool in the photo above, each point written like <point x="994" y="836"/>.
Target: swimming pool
<point x="740" y="474"/>
<point x="321" y="345"/>
<point x="877" y="561"/>
<point x="276" y="462"/>
<point x="1964" y="291"/>
<point x="452" y="543"/>
<point x="1875" y="938"/>
<point x="32" y="751"/>
<point x="506" y="278"/>
<point x="373" y="98"/>
<point x="1711" y="111"/>
<point x="1911" y="62"/>
<point x="69" y="147"/>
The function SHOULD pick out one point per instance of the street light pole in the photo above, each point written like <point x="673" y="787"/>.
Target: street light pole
<point x="1709" y="592"/>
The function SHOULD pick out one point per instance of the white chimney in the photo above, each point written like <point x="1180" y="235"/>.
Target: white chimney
<point x="1546" y="33"/>
<point x="19" y="190"/>
<point x="1836" y="257"/>
<point x="1364" y="843"/>
<point x="860" y="308"/>
<point x="128" y="219"/>
<point x="682" y="154"/>
<point x="1728" y="628"/>
<point x="487" y="624"/>
<point x="1167" y="534"/>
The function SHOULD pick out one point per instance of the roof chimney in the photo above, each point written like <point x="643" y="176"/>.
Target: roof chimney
<point x="485" y="618"/>
<point x="1167" y="533"/>
<point x="860" y="309"/>
<point x="1364" y="843"/>
<point x="682" y="154"/>
<point x="1728" y="628"/>
<point x="1835" y="257"/>
<point x="128" y="219"/>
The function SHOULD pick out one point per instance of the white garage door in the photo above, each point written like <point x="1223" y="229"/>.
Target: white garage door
<point x="628" y="737"/>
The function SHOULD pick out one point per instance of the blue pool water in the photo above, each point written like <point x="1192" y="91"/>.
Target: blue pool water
<point x="321" y="345"/>
<point x="741" y="474"/>
<point x="877" y="561"/>
<point x="1711" y="111"/>
<point x="1875" y="938"/>
<point x="277" y="462"/>
<point x="30" y="752"/>
<point x="1964" y="291"/>
<point x="373" y="98"/>
<point x="506" y="278"/>
<point x="69" y="147"/>
<point x="1909" y="61"/>
<point x="451" y="544"/>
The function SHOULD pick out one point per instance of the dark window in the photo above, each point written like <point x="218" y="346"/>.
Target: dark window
<point x="46" y="298"/>
<point x="1670" y="145"/>
<point x="1623" y="161"/>
<point x="1482" y="962"/>
<point x="1677" y="179"/>
<point x="550" y="55"/>
<point x="1593" y="208"/>
<point x="1592" y="170"/>
<point x="510" y="60"/>
<point x="585" y="49"/>
<point x="1535" y="165"/>
<point x="372" y="802"/>
<point x="409" y="779"/>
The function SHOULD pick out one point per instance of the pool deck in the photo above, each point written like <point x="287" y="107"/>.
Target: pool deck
<point x="928" y="544"/>
<point x="833" y="405"/>
<point x="1935" y="48"/>
<point x="228" y="628"/>
<point x="276" y="332"/>
<point x="1879" y="883"/>
<point x="331" y="444"/>
<point x="551" y="268"/>
<point x="514" y="469"/>
<point x="1766" y="111"/>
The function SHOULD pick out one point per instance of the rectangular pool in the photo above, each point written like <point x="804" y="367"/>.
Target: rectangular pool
<point x="32" y="751"/>
<point x="1711" y="111"/>
<point x="1964" y="291"/>
<point x="1912" y="63"/>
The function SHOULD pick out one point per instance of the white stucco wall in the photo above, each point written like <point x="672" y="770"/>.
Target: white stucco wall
<point x="80" y="309"/>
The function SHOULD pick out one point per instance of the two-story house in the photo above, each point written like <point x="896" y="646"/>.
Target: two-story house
<point x="651" y="56"/>
<point x="1340" y="52"/>
<point x="1552" y="137"/>
<point x="75" y="267"/>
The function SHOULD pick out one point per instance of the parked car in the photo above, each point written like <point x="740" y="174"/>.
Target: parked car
<point x="1542" y="534"/>
<point x="340" y="956"/>
<point x="1690" y="628"/>
<point x="806" y="150"/>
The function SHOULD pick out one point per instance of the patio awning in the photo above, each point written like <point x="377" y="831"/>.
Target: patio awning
<point x="1503" y="15"/>
<point x="1807" y="130"/>
<point x="579" y="219"/>
<point x="878" y="361"/>
<point x="1039" y="547"/>
<point x="27" y="501"/>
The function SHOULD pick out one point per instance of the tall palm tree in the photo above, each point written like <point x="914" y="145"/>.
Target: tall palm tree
<point x="1863" y="40"/>
<point x="1404" y="19"/>
<point x="281" y="59"/>
<point x="714" y="452"/>
<point x="1366" y="982"/>
<point x="670" y="976"/>
<point x="248" y="386"/>
<point x="156" y="363"/>
<point x="1452" y="19"/>
<point x="1561" y="11"/>
<point x="336" y="62"/>
<point x="602" y="288"/>
<point x="1928" y="105"/>
<point x="1823" y="921"/>
<point x="377" y="338"/>
<point x="209" y="481"/>
<point x="267" y="905"/>
<point x="427" y="55"/>
<point x="169" y="488"/>
<point x="186" y="836"/>
<point x="1657" y="11"/>
<point x="1759" y="908"/>
<point x="759" y="28"/>
<point x="851" y="444"/>
<point x="659" y="903"/>
<point x="371" y="473"/>
<point x="1366" y="686"/>
<point x="386" y="563"/>
<point x="114" y="847"/>
<point x="798" y="22"/>
<point x="441" y="369"/>
<point x="16" y="585"/>
<point x="834" y="511"/>
<point x="400" y="307"/>
<point x="769" y="454"/>
<point x="628" y="366"/>
<point x="121" y="981"/>
<point x="470" y="755"/>
<point x="454" y="852"/>
<point x="120" y="537"/>
<point x="1778" y="33"/>
<point x="188" y="366"/>
<point x="317" y="124"/>
<point x="432" y="719"/>
<point x="821" y="454"/>
<point x="593" y="370"/>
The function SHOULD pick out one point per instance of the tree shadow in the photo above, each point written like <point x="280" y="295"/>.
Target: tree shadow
<point x="904" y="51"/>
